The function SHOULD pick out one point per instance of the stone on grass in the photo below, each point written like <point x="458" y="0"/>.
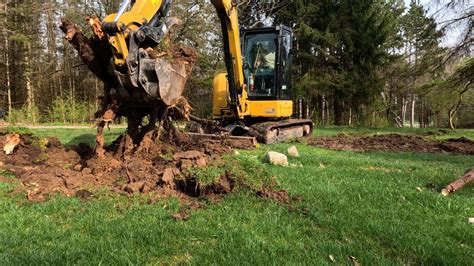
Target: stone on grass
<point x="471" y="220"/>
<point x="277" y="158"/>
<point x="293" y="152"/>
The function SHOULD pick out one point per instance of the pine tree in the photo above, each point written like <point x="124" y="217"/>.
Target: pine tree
<point x="340" y="46"/>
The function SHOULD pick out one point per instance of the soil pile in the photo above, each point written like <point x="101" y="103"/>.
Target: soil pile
<point x="44" y="167"/>
<point x="395" y="142"/>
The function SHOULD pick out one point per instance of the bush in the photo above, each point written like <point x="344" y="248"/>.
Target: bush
<point x="61" y="111"/>
<point x="24" y="116"/>
<point x="70" y="111"/>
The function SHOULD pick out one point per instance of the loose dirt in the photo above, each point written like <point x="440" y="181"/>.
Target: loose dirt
<point x="44" y="167"/>
<point x="396" y="143"/>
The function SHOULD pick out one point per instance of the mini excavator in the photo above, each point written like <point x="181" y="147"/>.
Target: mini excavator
<point x="252" y="98"/>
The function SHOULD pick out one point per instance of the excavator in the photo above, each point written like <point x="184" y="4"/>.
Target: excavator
<point x="252" y="98"/>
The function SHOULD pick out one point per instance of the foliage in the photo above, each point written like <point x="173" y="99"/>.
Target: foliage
<point x="340" y="46"/>
<point x="24" y="115"/>
<point x="70" y="111"/>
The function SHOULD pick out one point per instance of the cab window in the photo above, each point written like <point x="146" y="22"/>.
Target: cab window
<point x="260" y="64"/>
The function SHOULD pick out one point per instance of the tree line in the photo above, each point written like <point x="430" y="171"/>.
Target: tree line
<point x="375" y="63"/>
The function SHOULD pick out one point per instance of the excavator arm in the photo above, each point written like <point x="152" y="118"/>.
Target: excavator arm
<point x="227" y="13"/>
<point x="144" y="23"/>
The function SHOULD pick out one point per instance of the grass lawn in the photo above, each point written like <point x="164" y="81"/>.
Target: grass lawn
<point x="372" y="206"/>
<point x="438" y="134"/>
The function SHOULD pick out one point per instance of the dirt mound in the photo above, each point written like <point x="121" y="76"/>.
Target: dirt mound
<point x="44" y="167"/>
<point x="395" y="142"/>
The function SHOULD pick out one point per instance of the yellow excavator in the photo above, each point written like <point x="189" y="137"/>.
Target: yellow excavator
<point x="251" y="98"/>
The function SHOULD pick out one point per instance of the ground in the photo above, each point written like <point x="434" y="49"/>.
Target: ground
<point x="369" y="207"/>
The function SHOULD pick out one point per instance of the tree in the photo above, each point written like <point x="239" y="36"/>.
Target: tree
<point x="453" y="89"/>
<point x="422" y="53"/>
<point x="340" y="47"/>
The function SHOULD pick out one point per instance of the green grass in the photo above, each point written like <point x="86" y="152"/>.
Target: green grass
<point x="366" y="205"/>
<point x="438" y="134"/>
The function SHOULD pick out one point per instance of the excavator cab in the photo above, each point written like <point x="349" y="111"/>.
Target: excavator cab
<point x="267" y="63"/>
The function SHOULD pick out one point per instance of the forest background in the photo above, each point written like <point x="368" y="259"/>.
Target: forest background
<point x="365" y="63"/>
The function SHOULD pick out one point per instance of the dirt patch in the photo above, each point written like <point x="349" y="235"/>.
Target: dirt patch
<point x="280" y="196"/>
<point x="44" y="167"/>
<point x="159" y="169"/>
<point x="396" y="143"/>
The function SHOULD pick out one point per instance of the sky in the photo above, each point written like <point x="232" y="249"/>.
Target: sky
<point x="453" y="34"/>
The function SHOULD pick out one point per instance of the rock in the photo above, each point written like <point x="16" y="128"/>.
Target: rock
<point x="87" y="171"/>
<point x="169" y="174"/>
<point x="77" y="167"/>
<point x="83" y="194"/>
<point x="189" y="155"/>
<point x="72" y="182"/>
<point x="186" y="164"/>
<point x="277" y="158"/>
<point x="471" y="220"/>
<point x="293" y="152"/>
<point x="12" y="142"/>
<point x="201" y="162"/>
<point x="134" y="187"/>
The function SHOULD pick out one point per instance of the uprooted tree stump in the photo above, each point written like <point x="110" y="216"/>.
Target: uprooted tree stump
<point x="121" y="100"/>
<point x="459" y="183"/>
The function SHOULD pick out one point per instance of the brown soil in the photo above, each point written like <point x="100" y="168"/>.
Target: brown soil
<point x="44" y="167"/>
<point x="395" y="142"/>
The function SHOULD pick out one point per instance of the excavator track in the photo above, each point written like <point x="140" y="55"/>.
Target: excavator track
<point x="281" y="131"/>
<point x="265" y="132"/>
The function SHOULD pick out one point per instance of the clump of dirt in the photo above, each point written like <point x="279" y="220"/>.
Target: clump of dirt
<point x="280" y="196"/>
<point x="395" y="142"/>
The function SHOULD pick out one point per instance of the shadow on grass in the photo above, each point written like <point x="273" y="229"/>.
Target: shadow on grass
<point x="88" y="139"/>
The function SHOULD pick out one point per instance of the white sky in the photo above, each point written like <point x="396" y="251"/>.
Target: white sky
<point x="434" y="6"/>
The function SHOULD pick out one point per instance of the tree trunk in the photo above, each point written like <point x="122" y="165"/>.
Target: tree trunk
<point x="412" y="111"/>
<point x="30" y="101"/>
<point x="451" y="118"/>
<point x="321" y="108"/>
<point x="404" y="110"/>
<point x="94" y="52"/>
<point x="7" y="64"/>
<point x="51" y="43"/>
<point x="350" y="116"/>
<point x="7" y="72"/>
<point x="459" y="183"/>
<point x="338" y="111"/>
<point x="327" y="110"/>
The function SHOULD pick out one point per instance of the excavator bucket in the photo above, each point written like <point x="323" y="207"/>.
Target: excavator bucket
<point x="165" y="77"/>
<point x="172" y="79"/>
